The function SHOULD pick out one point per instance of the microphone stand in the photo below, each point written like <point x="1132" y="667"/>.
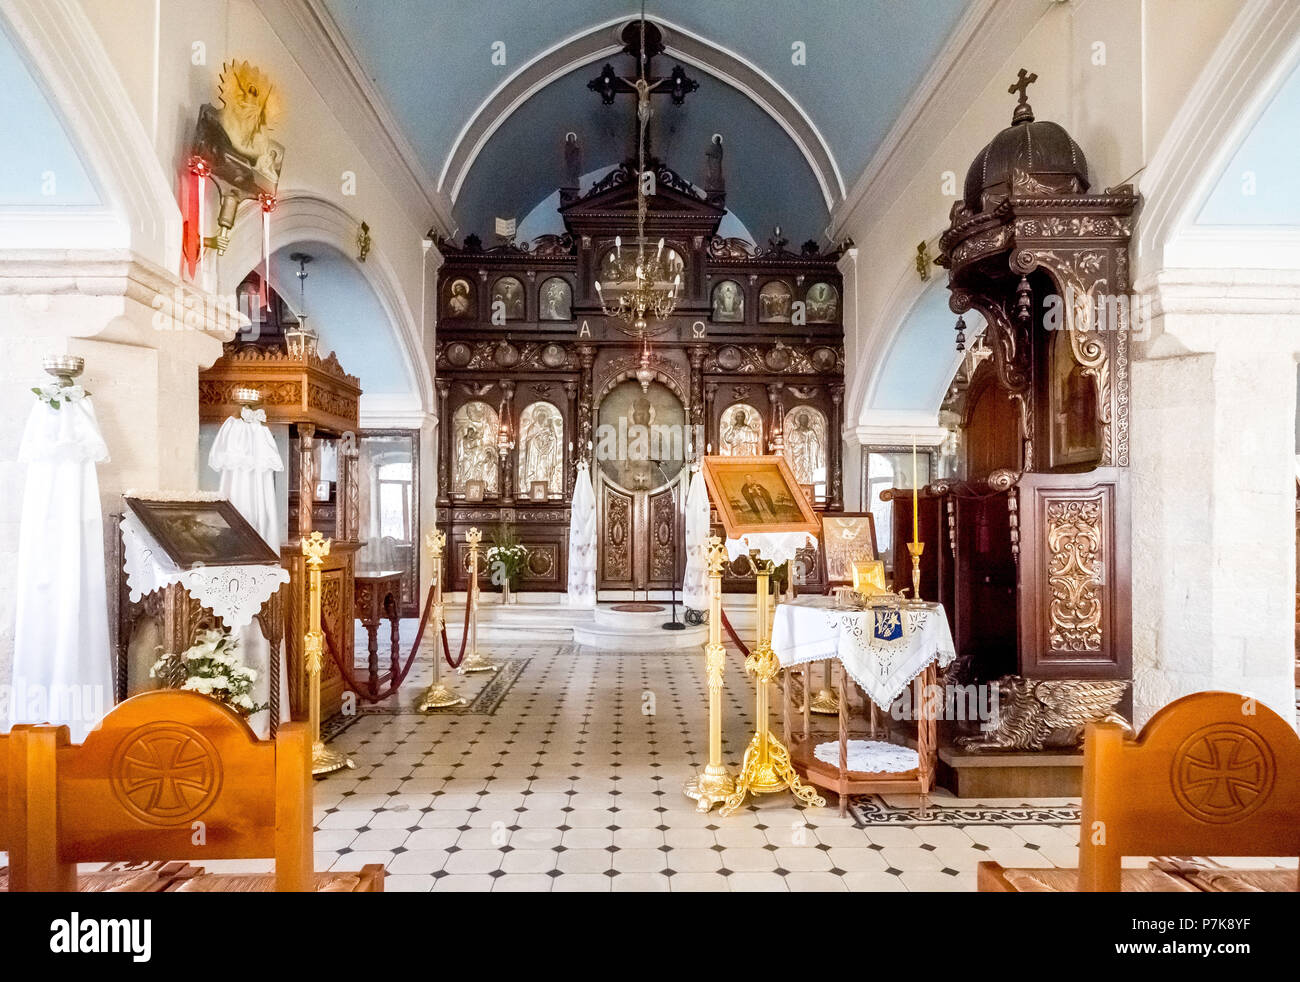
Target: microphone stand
<point x="674" y="624"/>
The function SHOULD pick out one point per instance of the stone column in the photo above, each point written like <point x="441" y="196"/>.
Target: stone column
<point x="1213" y="447"/>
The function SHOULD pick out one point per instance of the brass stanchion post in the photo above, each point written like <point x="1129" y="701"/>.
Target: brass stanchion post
<point x="323" y="760"/>
<point x="474" y="662"/>
<point x="437" y="695"/>
<point x="766" y="768"/>
<point x="714" y="784"/>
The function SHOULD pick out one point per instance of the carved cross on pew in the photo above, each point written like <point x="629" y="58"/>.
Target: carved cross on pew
<point x="643" y="41"/>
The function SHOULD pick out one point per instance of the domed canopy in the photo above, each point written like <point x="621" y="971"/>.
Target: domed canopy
<point x="1028" y="157"/>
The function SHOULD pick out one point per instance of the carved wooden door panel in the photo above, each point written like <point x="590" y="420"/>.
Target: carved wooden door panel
<point x="615" y="535"/>
<point x="636" y="531"/>
<point x="1075" y="614"/>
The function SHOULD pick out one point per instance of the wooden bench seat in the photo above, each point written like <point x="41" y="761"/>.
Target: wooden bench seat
<point x="151" y="878"/>
<point x="1211" y="774"/>
<point x="166" y="774"/>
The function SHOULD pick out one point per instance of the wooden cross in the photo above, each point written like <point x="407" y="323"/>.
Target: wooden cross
<point x="643" y="42"/>
<point x="1023" y="81"/>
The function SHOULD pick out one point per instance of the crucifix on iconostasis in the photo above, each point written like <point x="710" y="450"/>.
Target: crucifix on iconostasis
<point x="643" y="41"/>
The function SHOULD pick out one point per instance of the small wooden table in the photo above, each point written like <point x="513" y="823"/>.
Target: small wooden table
<point x="375" y="596"/>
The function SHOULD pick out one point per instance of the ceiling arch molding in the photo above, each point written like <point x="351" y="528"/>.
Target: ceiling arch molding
<point x="602" y="42"/>
<point x="141" y="212"/>
<point x="301" y="217"/>
<point x="1246" y="70"/>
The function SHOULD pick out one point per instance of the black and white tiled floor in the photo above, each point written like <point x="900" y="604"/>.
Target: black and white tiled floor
<point x="572" y="781"/>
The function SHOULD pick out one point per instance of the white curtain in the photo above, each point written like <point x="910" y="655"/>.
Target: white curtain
<point x="582" y="541"/>
<point x="695" y="587"/>
<point x="62" y="670"/>
<point x="246" y="457"/>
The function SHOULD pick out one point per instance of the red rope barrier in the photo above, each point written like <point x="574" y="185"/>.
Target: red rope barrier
<point x="735" y="638"/>
<point x="464" y="636"/>
<point x="368" y="693"/>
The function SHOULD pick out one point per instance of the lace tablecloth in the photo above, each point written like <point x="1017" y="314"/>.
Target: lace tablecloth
<point x="882" y="649"/>
<point x="233" y="593"/>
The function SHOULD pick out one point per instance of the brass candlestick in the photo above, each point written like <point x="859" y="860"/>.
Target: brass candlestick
<point x="915" y="549"/>
<point x="323" y="760"/>
<point x="766" y="768"/>
<point x="714" y="784"/>
<point x="437" y="695"/>
<point x="474" y="662"/>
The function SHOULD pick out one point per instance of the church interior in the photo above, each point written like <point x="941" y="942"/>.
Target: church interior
<point x="649" y="447"/>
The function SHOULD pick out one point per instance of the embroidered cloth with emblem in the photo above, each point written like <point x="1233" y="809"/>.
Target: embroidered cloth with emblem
<point x="883" y="647"/>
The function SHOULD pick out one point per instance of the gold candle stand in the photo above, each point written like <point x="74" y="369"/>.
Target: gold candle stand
<point x="323" y="760"/>
<point x="437" y="695"/>
<point x="766" y="768"/>
<point x="714" y="784"/>
<point x="915" y="549"/>
<point x="474" y="662"/>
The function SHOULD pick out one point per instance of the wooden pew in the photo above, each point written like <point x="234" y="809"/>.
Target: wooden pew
<point x="166" y="774"/>
<point x="1209" y="775"/>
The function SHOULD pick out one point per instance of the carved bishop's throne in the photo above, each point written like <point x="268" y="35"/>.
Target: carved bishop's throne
<point x="1033" y="535"/>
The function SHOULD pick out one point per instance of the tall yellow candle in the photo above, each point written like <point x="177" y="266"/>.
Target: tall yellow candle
<point x="916" y="522"/>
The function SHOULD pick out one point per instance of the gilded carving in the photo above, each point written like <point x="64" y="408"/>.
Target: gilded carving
<point x="474" y="455"/>
<point x="1074" y="562"/>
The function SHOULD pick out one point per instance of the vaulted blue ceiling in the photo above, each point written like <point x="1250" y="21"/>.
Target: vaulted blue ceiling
<point x="432" y="61"/>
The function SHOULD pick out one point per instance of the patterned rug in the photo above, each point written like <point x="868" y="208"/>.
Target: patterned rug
<point x="870" y="809"/>
<point x="483" y="701"/>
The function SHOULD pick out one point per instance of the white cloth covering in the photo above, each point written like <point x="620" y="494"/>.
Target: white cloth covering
<point x="62" y="667"/>
<point x="870" y="756"/>
<point x="776" y="546"/>
<point x="582" y="541"/>
<point x="695" y="586"/>
<point x="813" y="628"/>
<point x="245" y="455"/>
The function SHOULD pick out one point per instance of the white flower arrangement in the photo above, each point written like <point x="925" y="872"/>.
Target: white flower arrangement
<point x="211" y="667"/>
<point x="510" y="559"/>
<point x="54" y="395"/>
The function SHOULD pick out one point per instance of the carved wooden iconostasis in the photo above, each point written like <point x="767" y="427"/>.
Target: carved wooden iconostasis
<point x="531" y="376"/>
<point x="1033" y="536"/>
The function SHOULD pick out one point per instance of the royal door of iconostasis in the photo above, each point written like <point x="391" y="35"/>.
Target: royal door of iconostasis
<point x="640" y="472"/>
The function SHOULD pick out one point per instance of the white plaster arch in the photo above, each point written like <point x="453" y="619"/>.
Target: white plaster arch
<point x="601" y="42"/>
<point x="1252" y="61"/>
<point x="141" y="213"/>
<point x="299" y="217"/>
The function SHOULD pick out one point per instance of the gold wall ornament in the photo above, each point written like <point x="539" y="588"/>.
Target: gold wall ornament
<point x="323" y="760"/>
<point x="766" y="768"/>
<point x="232" y="145"/>
<point x="1034" y="714"/>
<point x="1074" y="562"/>
<point x="474" y="662"/>
<point x="923" y="261"/>
<point x="363" y="242"/>
<point x="438" y="695"/>
<point x="714" y="785"/>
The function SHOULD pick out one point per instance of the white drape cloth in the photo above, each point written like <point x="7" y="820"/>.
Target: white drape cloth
<point x="776" y="546"/>
<point x="246" y="457"/>
<point x="62" y="669"/>
<point x="882" y="649"/>
<point x="582" y="541"/>
<point x="695" y="586"/>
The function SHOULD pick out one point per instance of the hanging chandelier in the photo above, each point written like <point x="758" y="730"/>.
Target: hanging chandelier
<point x="648" y="283"/>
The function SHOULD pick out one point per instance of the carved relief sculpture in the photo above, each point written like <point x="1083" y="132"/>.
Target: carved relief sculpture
<point x="805" y="444"/>
<point x="741" y="432"/>
<point x="541" y="447"/>
<point x="474" y="456"/>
